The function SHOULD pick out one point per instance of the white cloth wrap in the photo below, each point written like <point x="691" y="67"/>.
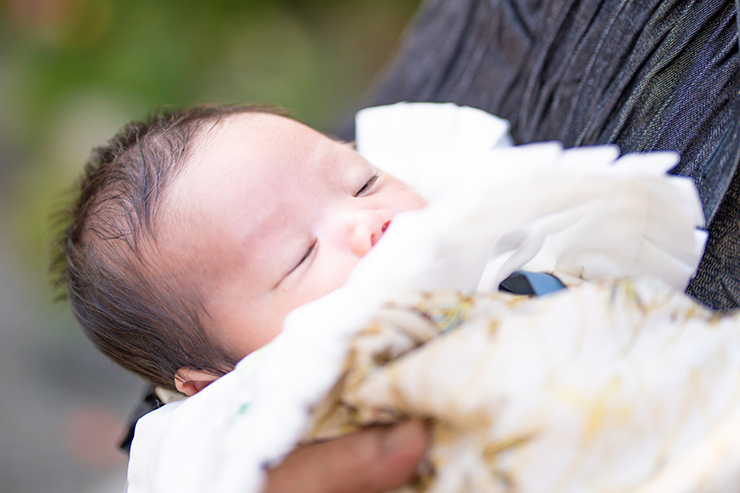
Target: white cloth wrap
<point x="582" y="213"/>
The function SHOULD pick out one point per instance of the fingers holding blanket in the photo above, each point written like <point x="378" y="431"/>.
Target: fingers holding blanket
<point x="372" y="460"/>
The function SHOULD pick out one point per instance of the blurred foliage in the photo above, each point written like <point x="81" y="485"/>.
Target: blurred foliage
<point x="74" y="71"/>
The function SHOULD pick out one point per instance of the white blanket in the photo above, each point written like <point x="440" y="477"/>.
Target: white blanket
<point x="584" y="214"/>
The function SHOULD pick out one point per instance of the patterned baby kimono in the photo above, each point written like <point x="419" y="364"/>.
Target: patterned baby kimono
<point x="611" y="386"/>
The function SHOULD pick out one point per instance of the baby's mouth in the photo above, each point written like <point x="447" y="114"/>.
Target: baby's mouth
<point x="375" y="238"/>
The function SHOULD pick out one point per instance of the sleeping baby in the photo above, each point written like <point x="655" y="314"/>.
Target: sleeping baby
<point x="296" y="290"/>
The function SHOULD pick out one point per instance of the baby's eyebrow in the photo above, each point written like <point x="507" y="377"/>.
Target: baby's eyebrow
<point x="349" y="143"/>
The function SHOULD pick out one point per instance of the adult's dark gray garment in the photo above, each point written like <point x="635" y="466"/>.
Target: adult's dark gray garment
<point x="644" y="74"/>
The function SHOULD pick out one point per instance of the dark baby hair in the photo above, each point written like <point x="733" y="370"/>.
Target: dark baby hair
<point x="143" y="317"/>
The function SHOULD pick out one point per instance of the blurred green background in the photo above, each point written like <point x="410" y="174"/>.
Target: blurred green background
<point x="72" y="72"/>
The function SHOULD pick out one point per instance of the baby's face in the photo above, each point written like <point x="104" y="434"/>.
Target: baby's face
<point x="268" y="215"/>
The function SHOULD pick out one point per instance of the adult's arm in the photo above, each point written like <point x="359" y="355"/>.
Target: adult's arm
<point x="372" y="460"/>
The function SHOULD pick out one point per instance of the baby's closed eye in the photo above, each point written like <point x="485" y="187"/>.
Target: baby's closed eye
<point x="368" y="185"/>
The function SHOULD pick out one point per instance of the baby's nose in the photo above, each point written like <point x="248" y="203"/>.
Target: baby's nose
<point x="367" y="230"/>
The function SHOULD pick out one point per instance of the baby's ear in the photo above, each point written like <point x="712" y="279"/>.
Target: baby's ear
<point x="190" y="382"/>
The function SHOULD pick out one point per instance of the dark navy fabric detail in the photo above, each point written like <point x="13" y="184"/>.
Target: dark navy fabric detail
<point x="531" y="283"/>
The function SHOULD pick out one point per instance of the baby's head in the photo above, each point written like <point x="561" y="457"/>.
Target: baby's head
<point x="196" y="232"/>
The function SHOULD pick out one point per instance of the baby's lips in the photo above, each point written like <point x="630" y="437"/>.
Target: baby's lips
<point x="376" y="238"/>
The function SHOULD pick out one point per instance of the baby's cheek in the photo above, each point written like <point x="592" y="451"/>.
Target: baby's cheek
<point x="418" y="202"/>
<point x="406" y="198"/>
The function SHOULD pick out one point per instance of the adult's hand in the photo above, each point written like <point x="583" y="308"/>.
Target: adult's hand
<point x="368" y="461"/>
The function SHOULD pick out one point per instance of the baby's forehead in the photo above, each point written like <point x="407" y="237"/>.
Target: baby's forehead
<point x="258" y="130"/>
<point x="251" y="125"/>
<point x="269" y="146"/>
<point x="241" y="170"/>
